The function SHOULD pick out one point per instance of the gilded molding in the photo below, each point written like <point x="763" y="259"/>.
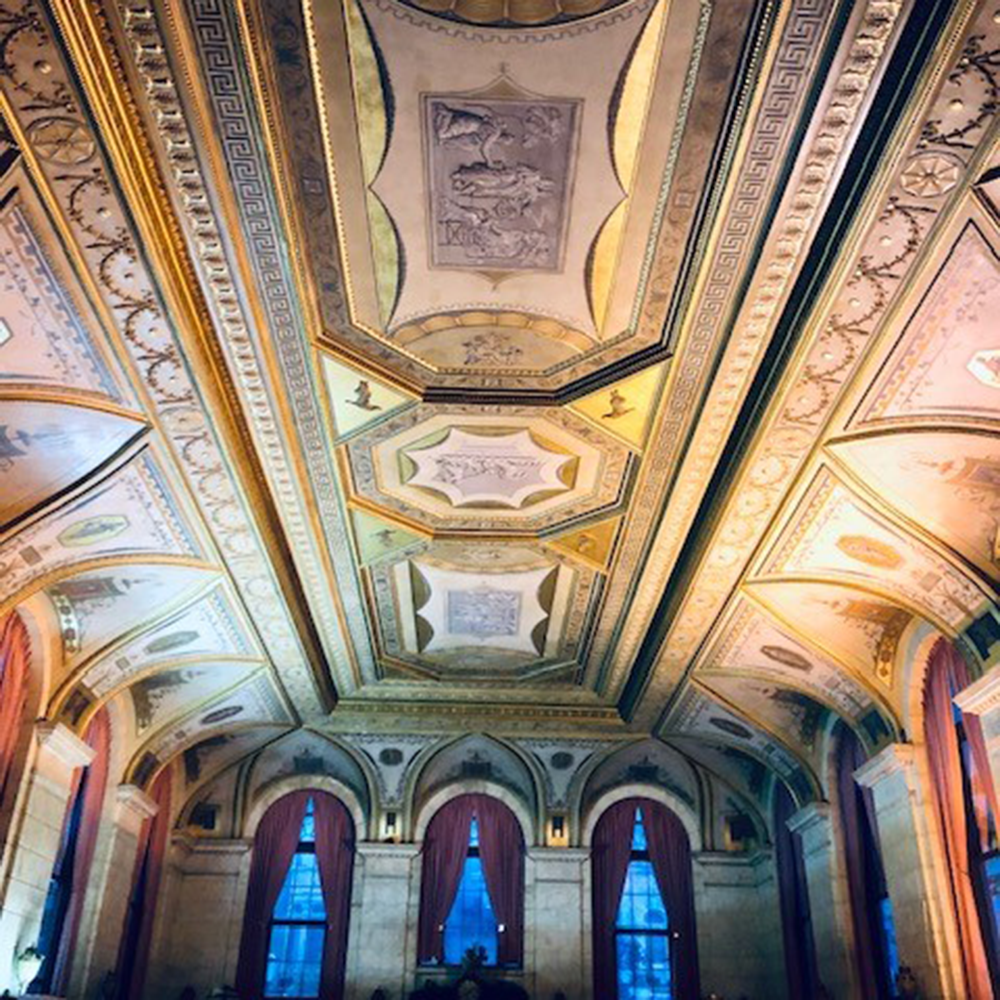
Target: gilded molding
<point x="237" y="332"/>
<point x="825" y="367"/>
<point x="35" y="80"/>
<point x="847" y="96"/>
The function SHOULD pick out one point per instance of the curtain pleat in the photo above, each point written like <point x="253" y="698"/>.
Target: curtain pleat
<point x="849" y="757"/>
<point x="947" y="674"/>
<point x="274" y="847"/>
<point x="98" y="737"/>
<point x="610" y="854"/>
<point x="444" y="852"/>
<point x="335" y="853"/>
<point x="501" y="850"/>
<point x="670" y="853"/>
<point x="15" y="656"/>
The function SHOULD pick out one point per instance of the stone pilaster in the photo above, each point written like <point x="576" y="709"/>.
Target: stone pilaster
<point x="983" y="699"/>
<point x="201" y="904"/>
<point x="557" y="942"/>
<point x="829" y="905"/>
<point x="35" y="834"/>
<point x="914" y="869"/>
<point x="110" y="885"/>
<point x="382" y="946"/>
<point x="739" y="925"/>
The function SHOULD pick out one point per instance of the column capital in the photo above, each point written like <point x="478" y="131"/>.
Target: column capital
<point x="383" y="849"/>
<point x="809" y="818"/>
<point x="63" y="744"/>
<point x="132" y="798"/>
<point x="896" y="758"/>
<point x="982" y="697"/>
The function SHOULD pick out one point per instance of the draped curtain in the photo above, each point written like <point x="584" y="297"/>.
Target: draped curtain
<point x="98" y="737"/>
<point x="15" y="655"/>
<point x="335" y="853"/>
<point x="133" y="956"/>
<point x="610" y="854"/>
<point x="861" y="872"/>
<point x="501" y="850"/>
<point x="794" y="900"/>
<point x="274" y="847"/>
<point x="670" y="854"/>
<point x="947" y="674"/>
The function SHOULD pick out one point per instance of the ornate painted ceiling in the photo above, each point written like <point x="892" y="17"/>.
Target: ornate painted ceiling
<point x="568" y="370"/>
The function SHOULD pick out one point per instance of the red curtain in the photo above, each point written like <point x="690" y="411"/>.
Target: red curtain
<point x="610" y="854"/>
<point x="501" y="849"/>
<point x="273" y="849"/>
<point x="793" y="896"/>
<point x="15" y="656"/>
<point x="444" y="852"/>
<point x="947" y="674"/>
<point x="849" y="757"/>
<point x="335" y="854"/>
<point x="153" y="850"/>
<point x="670" y="853"/>
<point x="99" y="738"/>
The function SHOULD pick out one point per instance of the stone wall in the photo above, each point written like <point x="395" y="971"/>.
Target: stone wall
<point x="738" y="924"/>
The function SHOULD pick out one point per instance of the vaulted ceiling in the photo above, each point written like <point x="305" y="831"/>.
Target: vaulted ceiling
<point x="572" y="369"/>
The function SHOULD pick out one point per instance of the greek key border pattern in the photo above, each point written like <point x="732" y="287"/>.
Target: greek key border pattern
<point x="761" y="308"/>
<point x="233" y="112"/>
<point x="236" y="332"/>
<point x="824" y="374"/>
<point x="36" y="82"/>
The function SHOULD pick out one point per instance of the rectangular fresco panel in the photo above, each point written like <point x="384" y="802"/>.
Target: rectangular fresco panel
<point x="499" y="174"/>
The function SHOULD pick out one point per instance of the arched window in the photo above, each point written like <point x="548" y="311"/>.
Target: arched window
<point x="645" y="945"/>
<point x="294" y="941"/>
<point x="641" y="943"/>
<point x="966" y="805"/>
<point x="472" y="884"/>
<point x="298" y="922"/>
<point x="471" y="923"/>
<point x="876" y="955"/>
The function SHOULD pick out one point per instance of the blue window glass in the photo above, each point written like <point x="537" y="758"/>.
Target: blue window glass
<point x="642" y="940"/>
<point x="992" y="873"/>
<point x="298" y="924"/>
<point x="471" y="922"/>
<point x="889" y="937"/>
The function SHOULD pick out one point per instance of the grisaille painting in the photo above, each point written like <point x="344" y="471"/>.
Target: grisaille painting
<point x="499" y="173"/>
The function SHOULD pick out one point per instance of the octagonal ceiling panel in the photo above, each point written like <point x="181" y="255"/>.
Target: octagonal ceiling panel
<point x="526" y="470"/>
<point x="500" y="612"/>
<point x="500" y="188"/>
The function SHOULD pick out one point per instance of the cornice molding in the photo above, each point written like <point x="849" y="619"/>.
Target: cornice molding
<point x="132" y="798"/>
<point x="63" y="744"/>
<point x="896" y="758"/>
<point x="810" y="819"/>
<point x="240" y="337"/>
<point x="982" y="697"/>
<point x="819" y="376"/>
<point x="817" y="169"/>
